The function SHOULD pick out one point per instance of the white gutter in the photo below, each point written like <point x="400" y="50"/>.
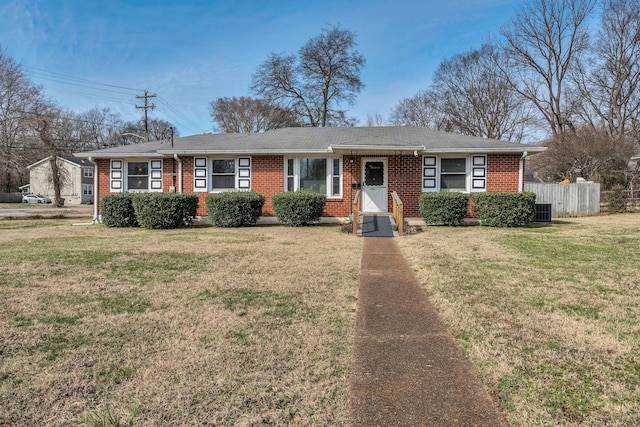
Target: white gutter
<point x="521" y="173"/>
<point x="363" y="147"/>
<point x="254" y="152"/>
<point x="179" y="160"/>
<point x="95" y="191"/>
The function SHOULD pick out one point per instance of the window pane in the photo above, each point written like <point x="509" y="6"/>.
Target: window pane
<point x="138" y="168"/>
<point x="224" y="181"/>
<point x="224" y="166"/>
<point x="290" y="186"/>
<point x="453" y="165"/>
<point x="374" y="173"/>
<point x="336" y="166"/>
<point x="313" y="175"/>
<point x="336" y="186"/>
<point x="137" y="183"/>
<point x="453" y="182"/>
<point x="289" y="167"/>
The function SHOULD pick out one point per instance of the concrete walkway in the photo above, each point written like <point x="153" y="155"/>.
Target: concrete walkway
<point x="407" y="368"/>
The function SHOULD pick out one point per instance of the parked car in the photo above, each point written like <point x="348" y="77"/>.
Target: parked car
<point x="35" y="198"/>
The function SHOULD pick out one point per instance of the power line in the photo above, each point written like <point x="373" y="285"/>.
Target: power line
<point x="178" y="117"/>
<point x="78" y="79"/>
<point x="195" y="128"/>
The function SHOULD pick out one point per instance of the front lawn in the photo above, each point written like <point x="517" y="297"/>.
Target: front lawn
<point x="200" y="326"/>
<point x="254" y="326"/>
<point x="549" y="315"/>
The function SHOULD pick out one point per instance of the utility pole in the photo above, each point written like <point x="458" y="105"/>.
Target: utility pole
<point x="145" y="107"/>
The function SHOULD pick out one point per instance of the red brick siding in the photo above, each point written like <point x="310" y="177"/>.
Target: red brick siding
<point x="267" y="177"/>
<point x="503" y="172"/>
<point x="405" y="177"/>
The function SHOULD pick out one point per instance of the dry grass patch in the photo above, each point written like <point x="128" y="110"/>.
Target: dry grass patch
<point x="199" y="326"/>
<point x="549" y="314"/>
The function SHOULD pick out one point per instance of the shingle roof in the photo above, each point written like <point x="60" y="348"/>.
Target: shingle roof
<point x="317" y="140"/>
<point x="82" y="162"/>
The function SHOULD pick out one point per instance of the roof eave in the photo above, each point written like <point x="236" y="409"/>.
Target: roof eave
<point x="361" y="147"/>
<point x="116" y="155"/>
<point x="242" y="152"/>
<point x="492" y="150"/>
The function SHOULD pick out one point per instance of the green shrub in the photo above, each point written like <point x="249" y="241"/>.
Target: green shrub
<point x="618" y="199"/>
<point x="235" y="208"/>
<point x="117" y="210"/>
<point x="444" y="208"/>
<point x="298" y="208"/>
<point x="505" y="209"/>
<point x="165" y="210"/>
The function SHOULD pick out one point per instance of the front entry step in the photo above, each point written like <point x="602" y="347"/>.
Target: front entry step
<point x="377" y="226"/>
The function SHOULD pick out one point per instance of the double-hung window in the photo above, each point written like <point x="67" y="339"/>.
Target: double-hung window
<point x="315" y="174"/>
<point x="221" y="174"/>
<point x="87" y="172"/>
<point x="454" y="173"/>
<point x="136" y="175"/>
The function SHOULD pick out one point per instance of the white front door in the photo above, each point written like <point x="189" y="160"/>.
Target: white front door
<point x="374" y="184"/>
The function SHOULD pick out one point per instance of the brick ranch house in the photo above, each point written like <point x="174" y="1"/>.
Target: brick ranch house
<point x="333" y="161"/>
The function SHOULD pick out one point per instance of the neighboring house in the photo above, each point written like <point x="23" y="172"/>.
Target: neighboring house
<point x="77" y="179"/>
<point x="333" y="161"/>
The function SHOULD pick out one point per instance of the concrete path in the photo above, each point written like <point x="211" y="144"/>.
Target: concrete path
<point x="407" y="368"/>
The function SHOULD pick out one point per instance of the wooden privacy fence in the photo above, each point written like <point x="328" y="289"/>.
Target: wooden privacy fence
<point x="568" y="199"/>
<point x="10" y="197"/>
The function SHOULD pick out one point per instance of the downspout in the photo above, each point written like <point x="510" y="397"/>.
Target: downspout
<point x="95" y="191"/>
<point x="179" y="160"/>
<point x="521" y="172"/>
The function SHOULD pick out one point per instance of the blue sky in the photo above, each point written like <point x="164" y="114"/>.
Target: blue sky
<point x="191" y="52"/>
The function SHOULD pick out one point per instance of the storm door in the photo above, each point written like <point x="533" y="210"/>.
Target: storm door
<point x="374" y="185"/>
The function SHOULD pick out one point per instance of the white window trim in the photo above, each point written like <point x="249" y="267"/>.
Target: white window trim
<point x="329" y="174"/>
<point x="475" y="163"/>
<point x="118" y="176"/>
<point x="203" y="173"/>
<point x="87" y="172"/>
<point x="87" y="189"/>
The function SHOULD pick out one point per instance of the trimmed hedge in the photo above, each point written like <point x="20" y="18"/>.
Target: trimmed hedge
<point x="505" y="209"/>
<point x="299" y="207"/>
<point x="235" y="208"/>
<point x="444" y="208"/>
<point x="117" y="210"/>
<point x="165" y="210"/>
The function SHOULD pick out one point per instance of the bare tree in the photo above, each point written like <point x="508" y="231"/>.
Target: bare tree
<point x="19" y="100"/>
<point x="99" y="128"/>
<point x="475" y="99"/>
<point x="610" y="86"/>
<point x="421" y="110"/>
<point x="375" y="120"/>
<point x="134" y="132"/>
<point x="589" y="153"/>
<point x="314" y="85"/>
<point x="58" y="134"/>
<point x="542" y="43"/>
<point x="247" y="115"/>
